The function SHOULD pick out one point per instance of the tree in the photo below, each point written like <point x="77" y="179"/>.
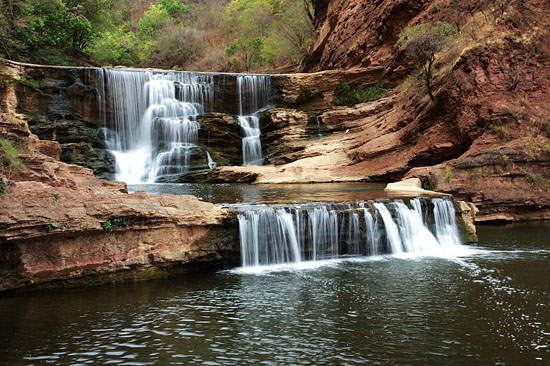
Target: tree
<point x="115" y="47"/>
<point x="248" y="50"/>
<point x="174" y="7"/>
<point x="176" y="46"/>
<point x="423" y="42"/>
<point x="152" y="22"/>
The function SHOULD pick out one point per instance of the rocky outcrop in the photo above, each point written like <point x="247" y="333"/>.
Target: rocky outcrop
<point x="220" y="134"/>
<point x="411" y="187"/>
<point x="63" y="233"/>
<point x="484" y="139"/>
<point x="352" y="34"/>
<point x="316" y="90"/>
<point x="62" y="105"/>
<point x="61" y="225"/>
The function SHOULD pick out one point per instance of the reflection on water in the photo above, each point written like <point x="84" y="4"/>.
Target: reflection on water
<point x="269" y="193"/>
<point x="489" y="307"/>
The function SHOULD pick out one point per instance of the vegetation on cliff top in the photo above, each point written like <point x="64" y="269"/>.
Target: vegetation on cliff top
<point x="220" y="35"/>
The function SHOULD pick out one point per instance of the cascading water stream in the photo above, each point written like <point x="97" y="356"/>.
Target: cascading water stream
<point x="315" y="231"/>
<point x="211" y="163"/>
<point x="154" y="121"/>
<point x="254" y="94"/>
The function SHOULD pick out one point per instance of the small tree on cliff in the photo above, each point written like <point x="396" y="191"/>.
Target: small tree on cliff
<point x="423" y="42"/>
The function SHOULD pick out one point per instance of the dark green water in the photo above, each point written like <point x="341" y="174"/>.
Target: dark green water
<point x="491" y="307"/>
<point x="269" y="193"/>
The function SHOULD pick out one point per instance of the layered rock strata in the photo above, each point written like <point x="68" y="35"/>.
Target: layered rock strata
<point x="59" y="223"/>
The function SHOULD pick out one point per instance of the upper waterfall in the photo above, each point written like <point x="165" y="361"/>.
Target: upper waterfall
<point x="254" y="94"/>
<point x="152" y="118"/>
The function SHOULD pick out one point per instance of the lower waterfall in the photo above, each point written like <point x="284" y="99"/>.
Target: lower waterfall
<point x="280" y="234"/>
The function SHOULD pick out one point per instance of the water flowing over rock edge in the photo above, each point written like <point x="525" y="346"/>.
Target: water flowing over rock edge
<point x="189" y="235"/>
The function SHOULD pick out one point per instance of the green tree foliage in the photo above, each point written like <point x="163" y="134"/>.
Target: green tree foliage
<point x="210" y="34"/>
<point x="10" y="163"/>
<point x="423" y="42"/>
<point x="351" y="94"/>
<point x="176" y="46"/>
<point x="247" y="50"/>
<point x="115" y="47"/>
<point x="152" y="22"/>
<point x="173" y="7"/>
<point x="283" y="26"/>
<point x="34" y="30"/>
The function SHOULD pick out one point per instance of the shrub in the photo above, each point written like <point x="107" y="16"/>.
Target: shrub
<point x="426" y="185"/>
<point x="304" y="94"/>
<point x="115" y="48"/>
<point x="423" y="42"/>
<point x="447" y="173"/>
<point x="351" y="94"/>
<point x="10" y="163"/>
<point x="3" y="186"/>
<point x="110" y="224"/>
<point x="500" y="129"/>
<point x="51" y="226"/>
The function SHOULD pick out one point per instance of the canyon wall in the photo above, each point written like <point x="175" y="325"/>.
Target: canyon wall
<point x="485" y="137"/>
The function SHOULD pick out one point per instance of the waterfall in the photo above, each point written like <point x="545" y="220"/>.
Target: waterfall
<point x="154" y="121"/>
<point x="211" y="163"/>
<point x="279" y="234"/>
<point x="152" y="118"/>
<point x="254" y="94"/>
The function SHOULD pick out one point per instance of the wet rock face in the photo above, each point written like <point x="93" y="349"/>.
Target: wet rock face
<point x="220" y="134"/>
<point x="62" y="105"/>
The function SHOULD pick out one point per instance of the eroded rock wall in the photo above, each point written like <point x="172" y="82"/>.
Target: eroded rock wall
<point x="59" y="224"/>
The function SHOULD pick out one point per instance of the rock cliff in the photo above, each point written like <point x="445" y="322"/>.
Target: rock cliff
<point x="485" y="136"/>
<point x="60" y="223"/>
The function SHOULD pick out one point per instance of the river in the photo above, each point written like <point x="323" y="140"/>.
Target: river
<point x="489" y="306"/>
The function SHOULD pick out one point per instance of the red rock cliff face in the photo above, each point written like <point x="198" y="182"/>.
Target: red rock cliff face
<point x="486" y="136"/>
<point x="354" y="33"/>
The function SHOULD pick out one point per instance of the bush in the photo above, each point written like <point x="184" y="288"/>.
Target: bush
<point x="174" y="7"/>
<point x="447" y="173"/>
<point x="152" y="22"/>
<point x="423" y="42"/>
<point x="305" y="94"/>
<point x="3" y="186"/>
<point x="10" y="163"/>
<point x="115" y="48"/>
<point x="177" y="45"/>
<point x="351" y="94"/>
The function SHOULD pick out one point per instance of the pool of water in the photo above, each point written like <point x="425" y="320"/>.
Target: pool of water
<point x="489" y="305"/>
<point x="269" y="193"/>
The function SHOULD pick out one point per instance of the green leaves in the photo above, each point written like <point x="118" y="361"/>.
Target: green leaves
<point x="10" y="161"/>
<point x="115" y="48"/>
<point x="351" y="94"/>
<point x="252" y="33"/>
<point x="248" y="50"/>
<point x="173" y="7"/>
<point x="152" y="22"/>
